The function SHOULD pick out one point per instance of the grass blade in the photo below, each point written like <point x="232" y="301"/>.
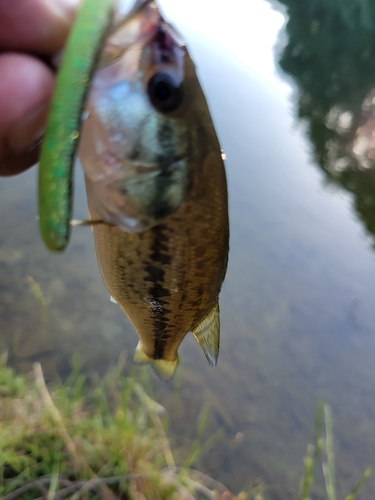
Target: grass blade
<point x="329" y="466"/>
<point x="359" y="485"/>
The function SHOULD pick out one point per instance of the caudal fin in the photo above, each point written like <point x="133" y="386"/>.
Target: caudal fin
<point x="163" y="369"/>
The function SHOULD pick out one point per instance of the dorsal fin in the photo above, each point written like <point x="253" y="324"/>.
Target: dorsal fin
<point x="207" y="334"/>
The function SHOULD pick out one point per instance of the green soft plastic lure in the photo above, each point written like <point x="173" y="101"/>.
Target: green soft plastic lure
<point x="63" y="129"/>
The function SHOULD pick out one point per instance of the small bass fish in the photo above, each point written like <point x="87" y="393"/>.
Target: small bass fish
<point x="155" y="175"/>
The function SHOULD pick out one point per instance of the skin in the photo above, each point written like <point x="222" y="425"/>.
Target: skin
<point x="32" y="33"/>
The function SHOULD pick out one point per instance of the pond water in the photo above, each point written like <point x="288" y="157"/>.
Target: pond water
<point x="297" y="306"/>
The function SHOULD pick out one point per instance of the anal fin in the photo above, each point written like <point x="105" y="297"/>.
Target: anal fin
<point x="207" y="334"/>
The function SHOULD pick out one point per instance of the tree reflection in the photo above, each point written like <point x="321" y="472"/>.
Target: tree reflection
<point x="330" y="53"/>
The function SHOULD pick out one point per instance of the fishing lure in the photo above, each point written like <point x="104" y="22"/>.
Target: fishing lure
<point x="63" y="127"/>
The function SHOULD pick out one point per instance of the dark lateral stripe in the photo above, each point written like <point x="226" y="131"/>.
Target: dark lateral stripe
<point x="159" y="258"/>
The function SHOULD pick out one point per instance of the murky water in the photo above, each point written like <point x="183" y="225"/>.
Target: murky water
<point x="297" y="306"/>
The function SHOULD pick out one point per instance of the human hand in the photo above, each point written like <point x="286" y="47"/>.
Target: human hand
<point x="32" y="32"/>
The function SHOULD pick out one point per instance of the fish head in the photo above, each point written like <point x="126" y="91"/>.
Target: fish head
<point x="134" y="144"/>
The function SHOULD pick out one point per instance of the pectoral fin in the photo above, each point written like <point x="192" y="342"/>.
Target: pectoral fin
<point x="207" y="334"/>
<point x="163" y="369"/>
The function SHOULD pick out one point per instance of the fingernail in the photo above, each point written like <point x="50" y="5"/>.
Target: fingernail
<point x="65" y="8"/>
<point x="25" y="136"/>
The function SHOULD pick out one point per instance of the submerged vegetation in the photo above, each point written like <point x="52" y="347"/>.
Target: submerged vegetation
<point x="106" y="439"/>
<point x="321" y="452"/>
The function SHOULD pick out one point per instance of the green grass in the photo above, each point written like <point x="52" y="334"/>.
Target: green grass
<point x="106" y="439"/>
<point x="321" y="453"/>
<point x="80" y="440"/>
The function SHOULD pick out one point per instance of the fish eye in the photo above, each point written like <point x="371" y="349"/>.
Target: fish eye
<point x="164" y="92"/>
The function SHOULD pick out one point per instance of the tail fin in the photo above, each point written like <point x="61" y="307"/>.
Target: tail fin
<point x="164" y="369"/>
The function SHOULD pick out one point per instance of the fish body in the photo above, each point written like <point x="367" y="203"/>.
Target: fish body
<point x="154" y="173"/>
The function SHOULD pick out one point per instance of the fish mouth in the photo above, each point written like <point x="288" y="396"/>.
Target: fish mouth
<point x="149" y="9"/>
<point x="144" y="20"/>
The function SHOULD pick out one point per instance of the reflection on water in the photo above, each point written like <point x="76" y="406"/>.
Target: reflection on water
<point x="297" y="306"/>
<point x="330" y="53"/>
